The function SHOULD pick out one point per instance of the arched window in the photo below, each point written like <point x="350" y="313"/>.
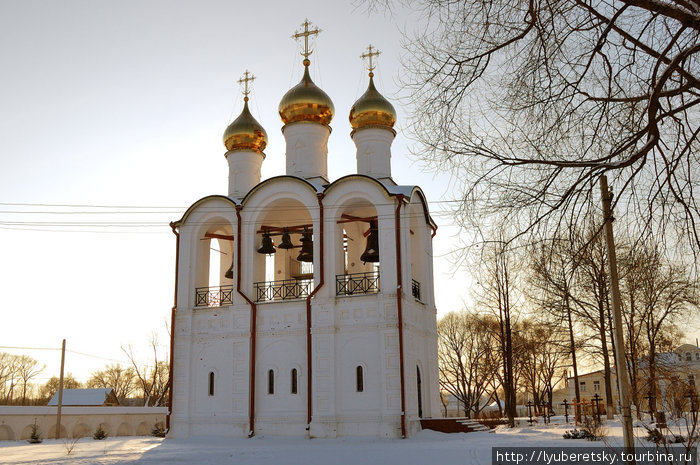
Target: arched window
<point x="359" y="379"/>
<point x="271" y="382"/>
<point x="294" y="385"/>
<point x="211" y="383"/>
<point x="420" y="394"/>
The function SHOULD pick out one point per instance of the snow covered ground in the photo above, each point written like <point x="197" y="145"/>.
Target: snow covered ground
<point x="427" y="447"/>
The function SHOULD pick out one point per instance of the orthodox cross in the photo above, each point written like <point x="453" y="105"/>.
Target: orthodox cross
<point x="369" y="55"/>
<point x="306" y="35"/>
<point x="244" y="81"/>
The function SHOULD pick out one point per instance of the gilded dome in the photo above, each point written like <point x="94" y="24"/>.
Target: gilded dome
<point x="372" y="109"/>
<point x="245" y="133"/>
<point x="306" y="102"/>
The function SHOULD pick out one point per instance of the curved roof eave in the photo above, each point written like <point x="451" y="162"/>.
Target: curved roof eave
<point x="316" y="188"/>
<point x="426" y="211"/>
<point x="392" y="191"/>
<point x="194" y="206"/>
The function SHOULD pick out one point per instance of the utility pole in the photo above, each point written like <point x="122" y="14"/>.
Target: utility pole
<point x="60" y="391"/>
<point x="618" y="336"/>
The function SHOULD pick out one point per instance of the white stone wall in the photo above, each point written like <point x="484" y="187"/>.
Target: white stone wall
<point x="347" y="331"/>
<point x="16" y="421"/>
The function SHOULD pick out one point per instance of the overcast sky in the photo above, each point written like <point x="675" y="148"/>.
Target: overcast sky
<point x="123" y="105"/>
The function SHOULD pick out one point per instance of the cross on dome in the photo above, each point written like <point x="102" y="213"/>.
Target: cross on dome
<point x="369" y="55"/>
<point x="247" y="77"/>
<point x="305" y="34"/>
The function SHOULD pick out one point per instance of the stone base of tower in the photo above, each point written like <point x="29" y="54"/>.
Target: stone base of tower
<point x="368" y="426"/>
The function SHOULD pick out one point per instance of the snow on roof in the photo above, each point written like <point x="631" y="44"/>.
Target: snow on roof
<point x="82" y="396"/>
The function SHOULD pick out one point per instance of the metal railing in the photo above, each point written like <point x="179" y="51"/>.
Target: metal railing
<point x="215" y="296"/>
<point x="286" y="289"/>
<point x="415" y="289"/>
<point x="357" y="283"/>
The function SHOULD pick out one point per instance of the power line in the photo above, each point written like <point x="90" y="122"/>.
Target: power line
<point x="30" y="348"/>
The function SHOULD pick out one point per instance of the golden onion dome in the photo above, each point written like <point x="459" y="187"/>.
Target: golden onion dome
<point x="372" y="109"/>
<point x="306" y="102"/>
<point x="245" y="133"/>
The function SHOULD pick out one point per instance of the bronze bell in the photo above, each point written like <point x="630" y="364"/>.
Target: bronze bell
<point x="371" y="253"/>
<point x="266" y="247"/>
<point x="229" y="272"/>
<point x="286" y="242"/>
<point x="307" y="247"/>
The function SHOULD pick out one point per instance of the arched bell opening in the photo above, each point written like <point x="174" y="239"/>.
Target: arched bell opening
<point x="420" y="251"/>
<point x="215" y="268"/>
<point x="284" y="260"/>
<point x="357" y="272"/>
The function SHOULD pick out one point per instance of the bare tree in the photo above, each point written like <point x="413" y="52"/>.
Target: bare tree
<point x="47" y="391"/>
<point x="27" y="368"/>
<point x="466" y="359"/>
<point x="8" y="377"/>
<point x="122" y="380"/>
<point x="153" y="379"/>
<point x="544" y="353"/>
<point x="497" y="292"/>
<point x="528" y="103"/>
<point x="664" y="296"/>
<point x="552" y="273"/>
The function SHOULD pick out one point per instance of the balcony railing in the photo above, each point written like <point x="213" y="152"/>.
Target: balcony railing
<point x="286" y="289"/>
<point x="357" y="283"/>
<point x="215" y="296"/>
<point x="415" y="289"/>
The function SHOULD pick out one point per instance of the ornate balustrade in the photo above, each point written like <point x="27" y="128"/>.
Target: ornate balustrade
<point x="215" y="296"/>
<point x="415" y="289"/>
<point x="286" y="289"/>
<point x="357" y="283"/>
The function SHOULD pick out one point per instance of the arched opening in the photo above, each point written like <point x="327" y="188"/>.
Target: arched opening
<point x="211" y="383"/>
<point x="359" y="379"/>
<point x="6" y="433"/>
<point x="284" y="268"/>
<point x="271" y="382"/>
<point x="294" y="388"/>
<point x="357" y="271"/>
<point x="419" y="251"/>
<point x="419" y="392"/>
<point x="214" y="264"/>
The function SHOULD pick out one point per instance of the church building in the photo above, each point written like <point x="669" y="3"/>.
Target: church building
<point x="304" y="305"/>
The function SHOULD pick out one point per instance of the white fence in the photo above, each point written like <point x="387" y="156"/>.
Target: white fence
<point x="16" y="422"/>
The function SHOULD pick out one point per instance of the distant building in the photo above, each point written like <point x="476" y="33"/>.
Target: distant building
<point x="677" y="376"/>
<point x="100" y="397"/>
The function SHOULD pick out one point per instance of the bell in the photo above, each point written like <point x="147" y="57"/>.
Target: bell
<point x="229" y="272"/>
<point x="307" y="247"/>
<point x="371" y="253"/>
<point x="286" y="241"/>
<point x="266" y="247"/>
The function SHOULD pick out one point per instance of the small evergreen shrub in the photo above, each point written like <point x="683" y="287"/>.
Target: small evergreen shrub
<point x="158" y="430"/>
<point x="576" y="434"/>
<point x="35" y="437"/>
<point x="654" y="435"/>
<point x="657" y="437"/>
<point x="99" y="434"/>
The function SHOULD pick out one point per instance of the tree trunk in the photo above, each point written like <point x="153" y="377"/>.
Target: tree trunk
<point x="572" y="345"/>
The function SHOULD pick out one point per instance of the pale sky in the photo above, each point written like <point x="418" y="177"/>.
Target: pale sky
<point x="124" y="104"/>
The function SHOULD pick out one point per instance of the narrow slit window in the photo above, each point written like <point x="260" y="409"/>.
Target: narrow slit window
<point x="294" y="385"/>
<point x="359" y="379"/>
<point x="211" y="383"/>
<point x="271" y="382"/>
